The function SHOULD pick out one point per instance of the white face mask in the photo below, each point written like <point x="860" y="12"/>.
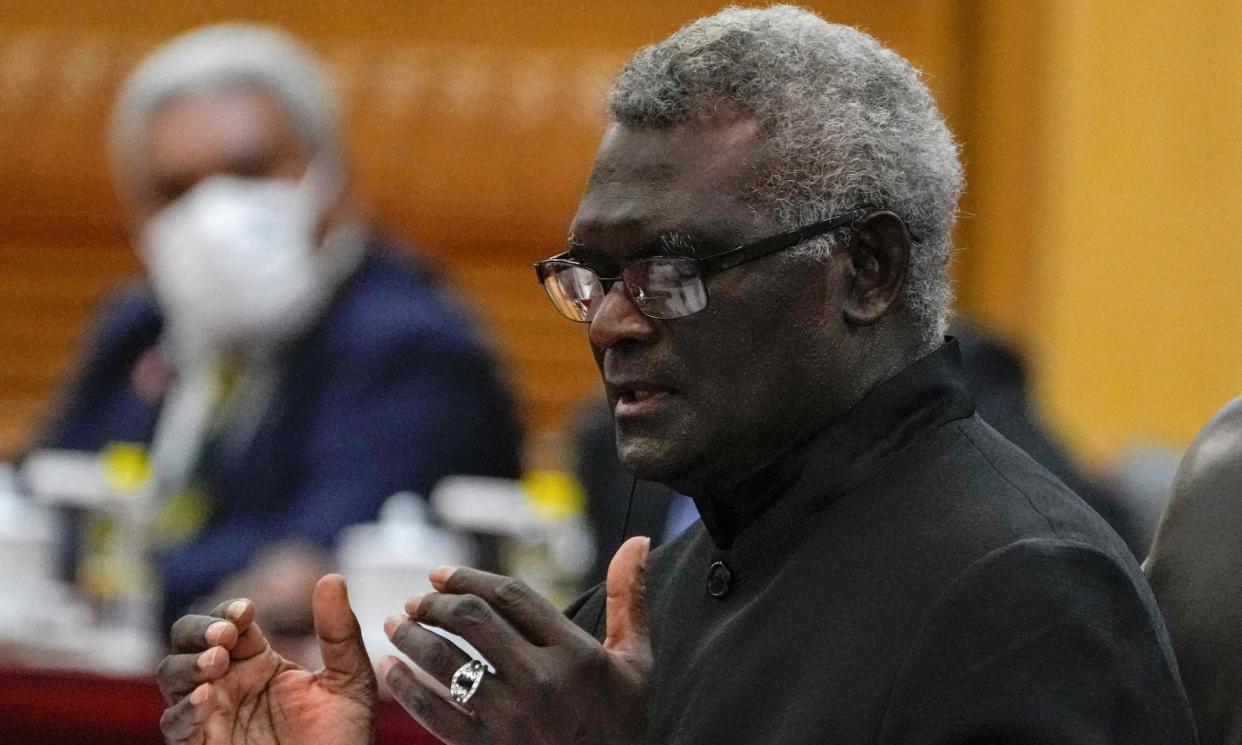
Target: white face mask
<point x="233" y="262"/>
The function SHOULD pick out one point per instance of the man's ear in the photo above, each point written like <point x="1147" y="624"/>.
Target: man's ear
<point x="878" y="260"/>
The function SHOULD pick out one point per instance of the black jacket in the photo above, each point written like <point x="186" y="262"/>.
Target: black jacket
<point x="908" y="576"/>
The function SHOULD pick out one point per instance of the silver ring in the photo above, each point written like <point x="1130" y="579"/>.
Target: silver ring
<point x="465" y="682"/>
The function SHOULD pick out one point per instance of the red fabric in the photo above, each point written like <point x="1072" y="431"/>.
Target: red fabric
<point x="54" y="708"/>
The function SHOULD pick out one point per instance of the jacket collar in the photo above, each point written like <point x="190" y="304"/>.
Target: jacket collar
<point x="846" y="453"/>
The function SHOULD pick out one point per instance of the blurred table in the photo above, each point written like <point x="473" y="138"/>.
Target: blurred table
<point x="54" y="707"/>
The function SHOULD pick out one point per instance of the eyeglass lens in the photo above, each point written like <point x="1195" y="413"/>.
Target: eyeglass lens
<point x="575" y="290"/>
<point x="666" y="287"/>
<point x="661" y="287"/>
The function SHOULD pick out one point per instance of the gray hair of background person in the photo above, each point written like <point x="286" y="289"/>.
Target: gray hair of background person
<point x="225" y="57"/>
<point x="848" y="123"/>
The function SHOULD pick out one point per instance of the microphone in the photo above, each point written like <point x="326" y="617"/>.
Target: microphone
<point x="625" y="529"/>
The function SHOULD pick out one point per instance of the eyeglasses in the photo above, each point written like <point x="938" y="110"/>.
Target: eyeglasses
<point x="664" y="287"/>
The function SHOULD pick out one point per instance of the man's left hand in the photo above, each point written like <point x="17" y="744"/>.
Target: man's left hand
<point x="553" y="683"/>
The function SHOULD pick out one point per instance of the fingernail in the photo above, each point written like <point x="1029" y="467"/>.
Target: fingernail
<point x="199" y="695"/>
<point x="391" y="623"/>
<point x="215" y="631"/>
<point x="236" y="609"/>
<point x="440" y="575"/>
<point x="207" y="659"/>
<point x="411" y="606"/>
<point x="385" y="665"/>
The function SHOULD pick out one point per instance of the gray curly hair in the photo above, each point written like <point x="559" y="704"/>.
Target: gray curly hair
<point x="848" y="124"/>
<point x="223" y="57"/>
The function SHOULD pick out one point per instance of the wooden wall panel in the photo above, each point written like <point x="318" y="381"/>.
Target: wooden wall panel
<point x="1141" y="311"/>
<point x="473" y="125"/>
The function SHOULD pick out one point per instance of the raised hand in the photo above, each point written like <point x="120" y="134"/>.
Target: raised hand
<point x="224" y="684"/>
<point x="553" y="684"/>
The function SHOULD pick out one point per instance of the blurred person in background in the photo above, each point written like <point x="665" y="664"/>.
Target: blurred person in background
<point x="288" y="367"/>
<point x="1004" y="398"/>
<point x="1195" y="569"/>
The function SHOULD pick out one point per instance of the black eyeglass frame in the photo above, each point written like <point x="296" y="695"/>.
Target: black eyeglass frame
<point x="714" y="263"/>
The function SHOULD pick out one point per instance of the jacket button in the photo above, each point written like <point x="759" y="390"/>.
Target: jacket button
<point x="719" y="579"/>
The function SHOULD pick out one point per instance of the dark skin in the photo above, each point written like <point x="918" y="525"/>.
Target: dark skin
<point x="736" y="384"/>
<point x="701" y="403"/>
<point x="225" y="683"/>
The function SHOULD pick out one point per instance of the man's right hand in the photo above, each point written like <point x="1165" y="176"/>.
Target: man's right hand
<point x="224" y="684"/>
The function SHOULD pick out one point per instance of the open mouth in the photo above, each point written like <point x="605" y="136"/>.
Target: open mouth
<point x="637" y="395"/>
<point x="637" y="399"/>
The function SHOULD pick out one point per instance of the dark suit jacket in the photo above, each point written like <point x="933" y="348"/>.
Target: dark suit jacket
<point x="908" y="576"/>
<point x="391" y="390"/>
<point x="1196" y="571"/>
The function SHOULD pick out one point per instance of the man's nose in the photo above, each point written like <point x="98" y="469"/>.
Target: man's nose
<point x="619" y="320"/>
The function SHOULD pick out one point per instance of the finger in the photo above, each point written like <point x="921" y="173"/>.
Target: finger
<point x="178" y="674"/>
<point x="251" y="640"/>
<point x="427" y="701"/>
<point x="529" y="612"/>
<point x="470" y="617"/>
<point x="198" y="633"/>
<point x="430" y="651"/>
<point x="626" y="601"/>
<point x="340" y="639"/>
<point x="240" y="611"/>
<point x="185" y="721"/>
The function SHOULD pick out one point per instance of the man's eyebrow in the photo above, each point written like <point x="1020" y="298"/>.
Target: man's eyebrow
<point x="678" y="243"/>
<point x="579" y="251"/>
<point x="667" y="243"/>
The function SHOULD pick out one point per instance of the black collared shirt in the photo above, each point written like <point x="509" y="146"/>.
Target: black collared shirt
<point x="908" y="576"/>
<point x="925" y="395"/>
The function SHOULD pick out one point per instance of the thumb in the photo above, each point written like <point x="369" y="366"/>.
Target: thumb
<point x="345" y="658"/>
<point x="626" y="598"/>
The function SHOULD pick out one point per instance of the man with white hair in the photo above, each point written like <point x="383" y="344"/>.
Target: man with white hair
<point x="289" y="370"/>
<point x="761" y="256"/>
